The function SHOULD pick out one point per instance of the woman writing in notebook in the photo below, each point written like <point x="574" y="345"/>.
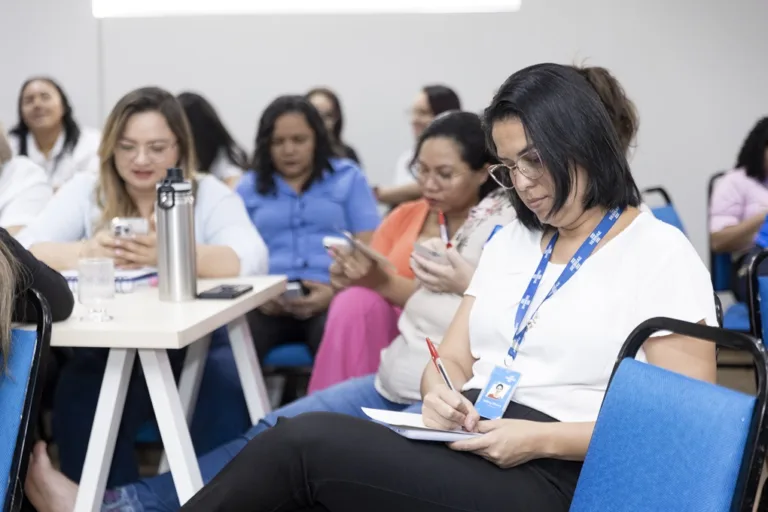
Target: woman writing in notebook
<point x="145" y="134"/>
<point x="547" y="304"/>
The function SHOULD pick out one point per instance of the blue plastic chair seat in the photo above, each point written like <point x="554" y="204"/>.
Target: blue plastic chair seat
<point x="291" y="355"/>
<point x="14" y="386"/>
<point x="721" y="271"/>
<point x="664" y="442"/>
<point x="736" y="318"/>
<point x="668" y="214"/>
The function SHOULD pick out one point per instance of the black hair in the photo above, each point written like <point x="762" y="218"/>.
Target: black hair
<point x="341" y="147"/>
<point x="752" y="155"/>
<point x="566" y="122"/>
<point x="71" y="128"/>
<point x="338" y="126"/>
<point x="441" y="99"/>
<point x="466" y="130"/>
<point x="209" y="133"/>
<point x="262" y="158"/>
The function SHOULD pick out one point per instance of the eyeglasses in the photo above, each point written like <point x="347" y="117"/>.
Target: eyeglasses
<point x="529" y="165"/>
<point x="154" y="151"/>
<point x="442" y="176"/>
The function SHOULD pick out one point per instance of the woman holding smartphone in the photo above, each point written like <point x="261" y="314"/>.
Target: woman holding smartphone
<point x="146" y="133"/>
<point x="299" y="193"/>
<point x="450" y="167"/>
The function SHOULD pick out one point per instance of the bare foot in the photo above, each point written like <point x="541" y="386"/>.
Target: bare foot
<point x="46" y="488"/>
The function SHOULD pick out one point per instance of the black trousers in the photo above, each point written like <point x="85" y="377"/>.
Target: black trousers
<point x="336" y="463"/>
<point x="269" y="331"/>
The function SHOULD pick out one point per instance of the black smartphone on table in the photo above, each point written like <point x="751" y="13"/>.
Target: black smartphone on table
<point x="225" y="291"/>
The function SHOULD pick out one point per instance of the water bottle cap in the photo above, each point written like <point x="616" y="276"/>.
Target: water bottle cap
<point x="175" y="175"/>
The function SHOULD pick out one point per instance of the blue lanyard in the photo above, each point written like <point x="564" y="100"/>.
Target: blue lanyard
<point x="571" y="268"/>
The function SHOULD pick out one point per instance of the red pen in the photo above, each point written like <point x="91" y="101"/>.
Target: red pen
<point x="443" y="229"/>
<point x="439" y="364"/>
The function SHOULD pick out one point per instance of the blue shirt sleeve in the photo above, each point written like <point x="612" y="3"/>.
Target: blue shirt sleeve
<point x="361" y="210"/>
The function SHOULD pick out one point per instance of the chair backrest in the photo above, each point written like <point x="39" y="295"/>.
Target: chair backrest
<point x="669" y="215"/>
<point x="720" y="264"/>
<point x="666" y="211"/>
<point x="757" y="291"/>
<point x="664" y="441"/>
<point x="20" y="392"/>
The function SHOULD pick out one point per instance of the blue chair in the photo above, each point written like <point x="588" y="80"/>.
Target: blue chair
<point x="667" y="442"/>
<point x="293" y="362"/>
<point x="291" y="355"/>
<point x="720" y="264"/>
<point x="666" y="212"/>
<point x="20" y="393"/>
<point x="757" y="288"/>
<point x="736" y="318"/>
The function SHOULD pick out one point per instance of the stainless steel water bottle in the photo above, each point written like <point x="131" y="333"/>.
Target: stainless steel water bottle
<point x="176" y="258"/>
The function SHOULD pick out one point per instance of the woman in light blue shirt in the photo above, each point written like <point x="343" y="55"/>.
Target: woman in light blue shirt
<point x="298" y="194"/>
<point x="145" y="134"/>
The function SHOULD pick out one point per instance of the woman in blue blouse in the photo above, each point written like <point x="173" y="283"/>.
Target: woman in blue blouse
<point x="298" y="193"/>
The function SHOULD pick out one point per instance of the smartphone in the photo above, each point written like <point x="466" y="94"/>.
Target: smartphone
<point x="124" y="227"/>
<point x="225" y="291"/>
<point x="294" y="290"/>
<point x="429" y="254"/>
<point x="368" y="251"/>
<point x="335" y="241"/>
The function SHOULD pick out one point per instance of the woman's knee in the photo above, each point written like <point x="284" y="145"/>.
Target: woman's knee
<point x="357" y="300"/>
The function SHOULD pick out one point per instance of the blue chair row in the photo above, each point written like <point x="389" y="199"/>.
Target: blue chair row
<point x="20" y="394"/>
<point x="736" y="317"/>
<point x="664" y="441"/>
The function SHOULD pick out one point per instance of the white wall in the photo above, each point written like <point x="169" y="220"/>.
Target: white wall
<point x="695" y="69"/>
<point x="50" y="37"/>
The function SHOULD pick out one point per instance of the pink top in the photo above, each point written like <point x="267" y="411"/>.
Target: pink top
<point x="735" y="198"/>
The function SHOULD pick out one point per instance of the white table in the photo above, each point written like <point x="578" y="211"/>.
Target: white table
<point x="145" y="324"/>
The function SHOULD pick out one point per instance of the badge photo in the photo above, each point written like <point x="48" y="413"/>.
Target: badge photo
<point x="495" y="396"/>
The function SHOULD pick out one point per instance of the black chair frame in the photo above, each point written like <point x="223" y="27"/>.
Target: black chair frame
<point x="15" y="492"/>
<point x="755" y="447"/>
<point x="658" y="190"/>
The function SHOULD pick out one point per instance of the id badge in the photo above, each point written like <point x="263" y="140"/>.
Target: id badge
<point x="495" y="397"/>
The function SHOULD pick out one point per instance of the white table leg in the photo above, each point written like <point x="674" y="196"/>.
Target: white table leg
<point x="172" y="423"/>
<point x="106" y="423"/>
<point x="249" y="369"/>
<point x="189" y="384"/>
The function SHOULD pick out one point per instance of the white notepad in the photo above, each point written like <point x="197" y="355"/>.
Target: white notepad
<point x="125" y="280"/>
<point x="411" y="426"/>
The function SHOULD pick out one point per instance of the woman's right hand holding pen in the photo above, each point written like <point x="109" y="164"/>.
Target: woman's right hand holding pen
<point x="446" y="409"/>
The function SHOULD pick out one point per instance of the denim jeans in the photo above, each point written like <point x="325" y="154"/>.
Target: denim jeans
<point x="159" y="494"/>
<point x="221" y="412"/>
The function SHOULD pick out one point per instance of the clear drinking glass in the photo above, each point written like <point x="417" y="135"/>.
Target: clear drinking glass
<point x="95" y="286"/>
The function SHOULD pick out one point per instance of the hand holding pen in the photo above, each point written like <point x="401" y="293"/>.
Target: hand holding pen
<point x="444" y="229"/>
<point x="446" y="408"/>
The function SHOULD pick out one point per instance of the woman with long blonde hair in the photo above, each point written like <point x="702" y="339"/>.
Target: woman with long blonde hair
<point x="146" y="133"/>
